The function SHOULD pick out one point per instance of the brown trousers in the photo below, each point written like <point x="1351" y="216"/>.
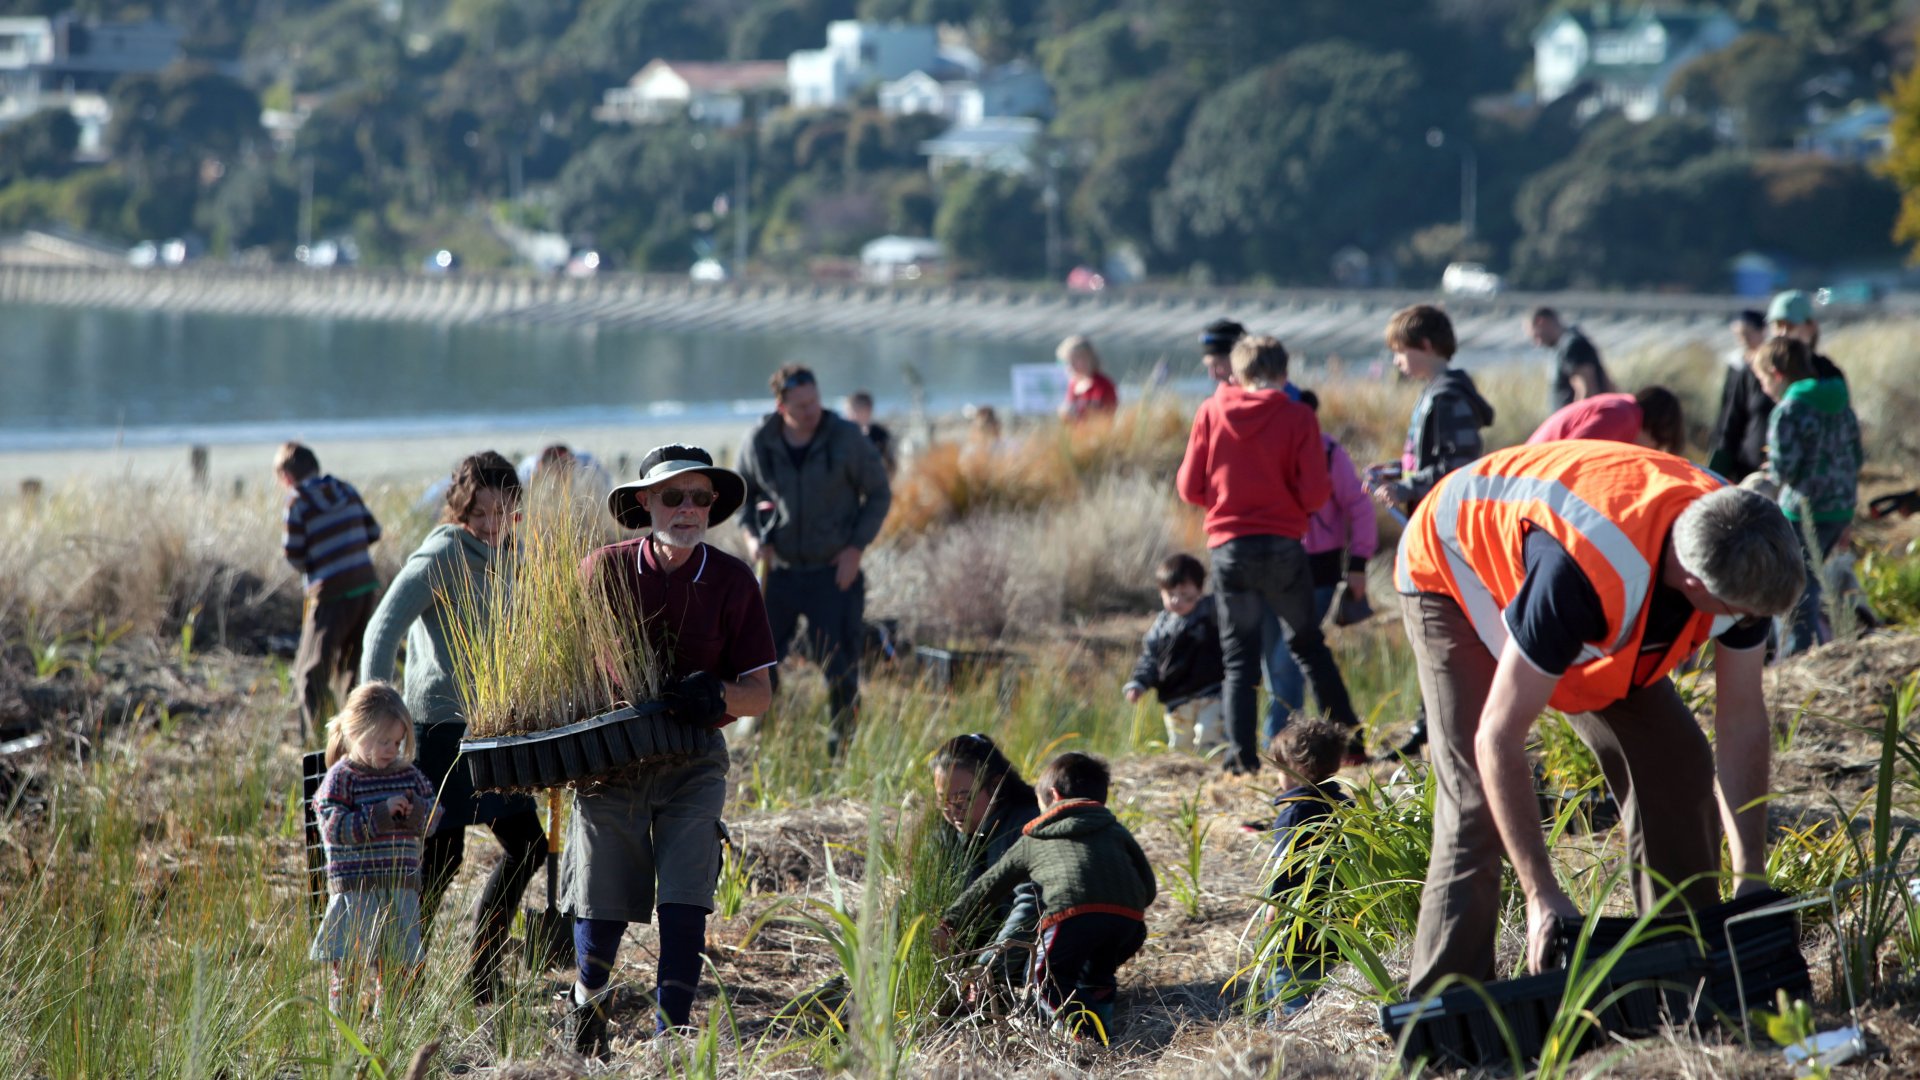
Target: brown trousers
<point x="327" y="663"/>
<point x="1656" y="760"/>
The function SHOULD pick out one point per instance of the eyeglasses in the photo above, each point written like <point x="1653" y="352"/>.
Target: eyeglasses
<point x="673" y="497"/>
<point x="798" y="378"/>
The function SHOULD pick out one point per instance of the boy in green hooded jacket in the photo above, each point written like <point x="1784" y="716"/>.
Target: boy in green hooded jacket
<point x="1095" y="886"/>
<point x="1814" y="455"/>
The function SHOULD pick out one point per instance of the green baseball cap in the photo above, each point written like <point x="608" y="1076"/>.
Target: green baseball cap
<point x="1793" y="308"/>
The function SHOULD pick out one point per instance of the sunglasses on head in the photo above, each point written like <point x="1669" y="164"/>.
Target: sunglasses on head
<point x="797" y="379"/>
<point x="673" y="497"/>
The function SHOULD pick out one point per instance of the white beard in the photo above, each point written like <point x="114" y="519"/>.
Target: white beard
<point x="680" y="536"/>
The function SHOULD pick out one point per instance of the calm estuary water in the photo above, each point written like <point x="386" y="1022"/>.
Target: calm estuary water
<point x="79" y="377"/>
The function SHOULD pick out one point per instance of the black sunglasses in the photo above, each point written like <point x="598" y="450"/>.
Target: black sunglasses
<point x="673" y="497"/>
<point x="799" y="378"/>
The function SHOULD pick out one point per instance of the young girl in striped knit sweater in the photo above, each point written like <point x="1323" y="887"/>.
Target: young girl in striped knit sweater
<point x="374" y="807"/>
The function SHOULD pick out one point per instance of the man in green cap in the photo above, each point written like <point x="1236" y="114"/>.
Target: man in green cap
<point x="1746" y="407"/>
<point x="1791" y="315"/>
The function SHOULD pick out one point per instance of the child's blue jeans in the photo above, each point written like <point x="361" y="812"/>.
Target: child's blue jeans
<point x="1299" y="978"/>
<point x="1286" y="683"/>
<point x="1801" y="627"/>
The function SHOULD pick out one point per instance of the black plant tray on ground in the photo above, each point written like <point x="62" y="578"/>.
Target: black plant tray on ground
<point x="1459" y="1028"/>
<point x="628" y="738"/>
<point x="1766" y="946"/>
<point x="313" y="769"/>
<point x="942" y="668"/>
<point x="1676" y="982"/>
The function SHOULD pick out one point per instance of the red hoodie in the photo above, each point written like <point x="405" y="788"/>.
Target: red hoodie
<point x="1255" y="464"/>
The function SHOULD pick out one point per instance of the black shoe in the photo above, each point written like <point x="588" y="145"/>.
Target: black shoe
<point x="586" y="1030"/>
<point x="1234" y="765"/>
<point x="1356" y="750"/>
<point x="1416" y="739"/>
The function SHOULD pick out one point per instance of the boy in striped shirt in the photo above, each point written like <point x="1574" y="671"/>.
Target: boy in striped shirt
<point x="328" y="531"/>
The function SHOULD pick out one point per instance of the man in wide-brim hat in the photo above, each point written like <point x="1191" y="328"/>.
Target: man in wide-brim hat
<point x="652" y="842"/>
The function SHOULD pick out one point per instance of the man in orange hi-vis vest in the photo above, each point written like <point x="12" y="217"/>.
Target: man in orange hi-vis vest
<point x="1577" y="575"/>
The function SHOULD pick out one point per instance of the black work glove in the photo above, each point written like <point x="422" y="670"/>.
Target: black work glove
<point x="698" y="699"/>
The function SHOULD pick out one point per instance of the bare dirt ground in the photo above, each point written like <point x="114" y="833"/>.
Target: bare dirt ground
<point x="1180" y="1015"/>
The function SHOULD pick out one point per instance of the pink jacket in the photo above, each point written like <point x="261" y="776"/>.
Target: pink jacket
<point x="1346" y="521"/>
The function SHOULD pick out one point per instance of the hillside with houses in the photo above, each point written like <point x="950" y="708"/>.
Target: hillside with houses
<point x="1203" y="141"/>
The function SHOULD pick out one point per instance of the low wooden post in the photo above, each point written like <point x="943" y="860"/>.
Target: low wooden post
<point x="197" y="465"/>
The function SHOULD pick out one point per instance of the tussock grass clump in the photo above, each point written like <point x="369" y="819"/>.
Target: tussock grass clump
<point x="536" y="645"/>
<point x="1013" y="574"/>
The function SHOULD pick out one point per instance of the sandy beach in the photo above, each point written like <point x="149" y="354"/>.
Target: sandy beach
<point x="364" y="460"/>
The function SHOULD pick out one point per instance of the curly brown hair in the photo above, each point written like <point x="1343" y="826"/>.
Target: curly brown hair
<point x="476" y="473"/>
<point x="1311" y="747"/>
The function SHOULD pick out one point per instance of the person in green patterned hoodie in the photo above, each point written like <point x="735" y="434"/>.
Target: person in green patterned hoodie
<point x="1095" y="886"/>
<point x="1814" y="455"/>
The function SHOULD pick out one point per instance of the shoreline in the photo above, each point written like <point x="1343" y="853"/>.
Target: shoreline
<point x="362" y="460"/>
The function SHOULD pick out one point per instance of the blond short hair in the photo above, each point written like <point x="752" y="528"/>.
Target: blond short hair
<point x="1075" y="344"/>
<point x="1260" y="357"/>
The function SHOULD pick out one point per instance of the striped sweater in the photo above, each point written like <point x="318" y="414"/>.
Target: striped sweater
<point x="328" y="530"/>
<point x="367" y="848"/>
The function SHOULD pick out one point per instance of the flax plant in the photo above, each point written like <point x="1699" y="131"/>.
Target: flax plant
<point x="535" y="644"/>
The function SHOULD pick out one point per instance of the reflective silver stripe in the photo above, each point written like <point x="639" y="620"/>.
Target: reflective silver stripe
<point x="1636" y="575"/>
<point x="1402" y="573"/>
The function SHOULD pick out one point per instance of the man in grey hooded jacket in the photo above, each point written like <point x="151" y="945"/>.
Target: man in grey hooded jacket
<point x="817" y="494"/>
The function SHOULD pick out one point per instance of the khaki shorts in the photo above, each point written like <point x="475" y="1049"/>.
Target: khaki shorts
<point x="632" y="847"/>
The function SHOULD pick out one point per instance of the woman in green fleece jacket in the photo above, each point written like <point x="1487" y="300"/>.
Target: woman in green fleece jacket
<point x="1095" y="885"/>
<point x="481" y="508"/>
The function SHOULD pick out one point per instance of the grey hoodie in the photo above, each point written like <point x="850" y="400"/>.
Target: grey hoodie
<point x="446" y="563"/>
<point x="836" y="498"/>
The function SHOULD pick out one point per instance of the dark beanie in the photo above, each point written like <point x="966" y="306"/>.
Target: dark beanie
<point x="1220" y="336"/>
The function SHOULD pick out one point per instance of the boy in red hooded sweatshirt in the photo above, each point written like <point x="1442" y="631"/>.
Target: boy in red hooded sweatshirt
<point x="1255" y="464"/>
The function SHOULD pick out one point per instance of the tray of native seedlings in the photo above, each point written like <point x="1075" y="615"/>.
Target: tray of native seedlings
<point x="559" y="684"/>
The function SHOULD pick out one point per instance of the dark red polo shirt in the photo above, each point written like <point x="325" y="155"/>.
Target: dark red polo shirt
<point x="706" y="616"/>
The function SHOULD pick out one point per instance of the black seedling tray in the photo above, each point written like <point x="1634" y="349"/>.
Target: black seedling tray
<point x="1671" y="978"/>
<point x="1460" y="1027"/>
<point x="1767" y="949"/>
<point x="628" y="738"/>
<point x="942" y="668"/>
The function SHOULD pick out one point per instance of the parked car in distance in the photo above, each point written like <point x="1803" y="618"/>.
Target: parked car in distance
<point x="709" y="270"/>
<point x="1848" y="294"/>
<point x="324" y="254"/>
<point x="1085" y="279"/>
<point x="582" y="264"/>
<point x="1470" y="279"/>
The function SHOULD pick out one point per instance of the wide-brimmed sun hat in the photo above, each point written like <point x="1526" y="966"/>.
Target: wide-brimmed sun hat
<point x="663" y="463"/>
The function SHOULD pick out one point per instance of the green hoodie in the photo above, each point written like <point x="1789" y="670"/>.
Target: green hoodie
<point x="1081" y="858"/>
<point x="1814" y="452"/>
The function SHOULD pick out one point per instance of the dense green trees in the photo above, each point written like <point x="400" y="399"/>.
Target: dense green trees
<point x="1290" y="162"/>
<point x="1227" y="140"/>
<point x="41" y="145"/>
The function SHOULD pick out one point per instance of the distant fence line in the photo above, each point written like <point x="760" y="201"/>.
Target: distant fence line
<point x="1319" y="320"/>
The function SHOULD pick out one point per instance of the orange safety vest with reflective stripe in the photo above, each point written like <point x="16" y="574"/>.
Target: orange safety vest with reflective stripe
<point x="1611" y="505"/>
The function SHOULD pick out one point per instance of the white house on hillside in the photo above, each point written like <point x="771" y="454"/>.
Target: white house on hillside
<point x="1000" y="143"/>
<point x="1623" y="61"/>
<point x="1016" y="89"/>
<point x="66" y="62"/>
<point x="709" y="93"/>
<point x="858" y="55"/>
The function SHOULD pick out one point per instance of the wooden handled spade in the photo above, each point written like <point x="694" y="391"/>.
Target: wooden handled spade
<point x="549" y="932"/>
